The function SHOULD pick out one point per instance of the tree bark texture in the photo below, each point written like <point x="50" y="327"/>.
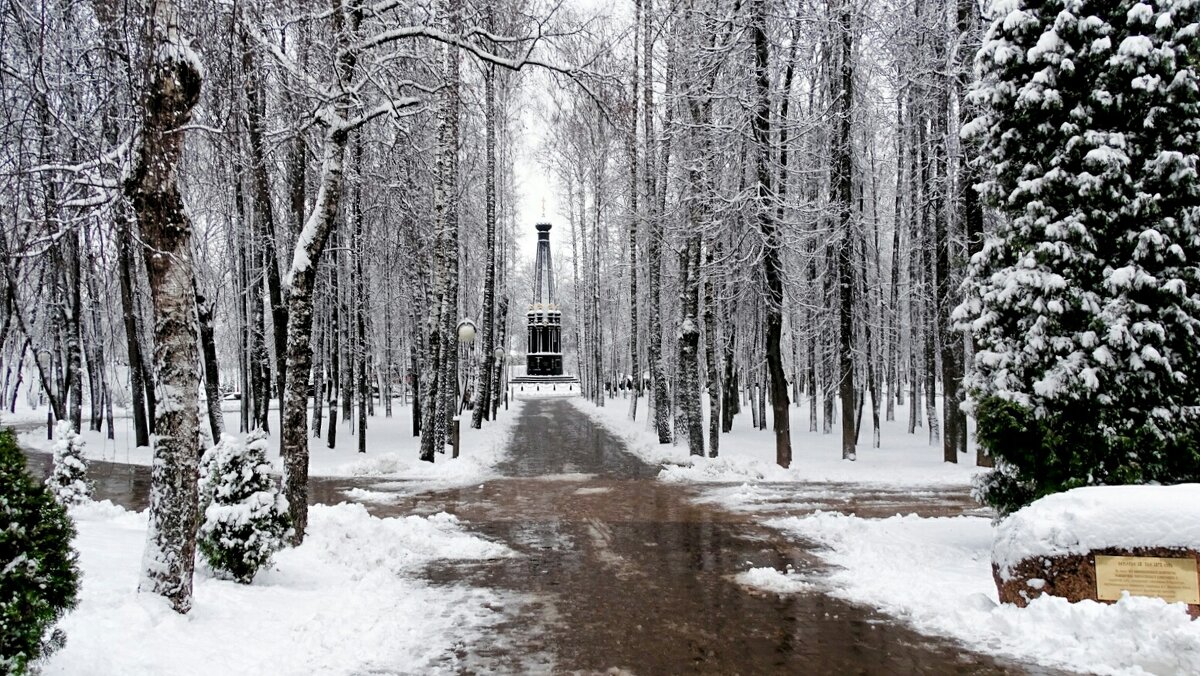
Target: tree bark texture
<point x="173" y="90"/>
<point x="487" y="344"/>
<point x="768" y="229"/>
<point x="264" y="214"/>
<point x="302" y="280"/>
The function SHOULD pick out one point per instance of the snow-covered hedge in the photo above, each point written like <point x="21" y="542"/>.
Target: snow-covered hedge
<point x="1085" y="301"/>
<point x="68" y="480"/>
<point x="246" y="518"/>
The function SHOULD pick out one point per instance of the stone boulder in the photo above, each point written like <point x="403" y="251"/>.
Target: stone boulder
<point x="1072" y="576"/>
<point x="1050" y="546"/>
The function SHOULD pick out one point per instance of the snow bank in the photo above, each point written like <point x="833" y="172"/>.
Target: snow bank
<point x="935" y="573"/>
<point x="391" y="448"/>
<point x="748" y="455"/>
<point x="346" y="602"/>
<point x="770" y="580"/>
<point x="369" y="496"/>
<point x="1096" y="517"/>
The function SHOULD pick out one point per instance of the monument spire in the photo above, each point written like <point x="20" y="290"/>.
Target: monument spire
<point x="543" y="271"/>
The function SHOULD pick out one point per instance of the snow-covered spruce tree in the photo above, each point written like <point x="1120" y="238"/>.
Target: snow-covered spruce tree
<point x="1085" y="304"/>
<point x="68" y="480"/>
<point x="39" y="579"/>
<point x="246" y="518"/>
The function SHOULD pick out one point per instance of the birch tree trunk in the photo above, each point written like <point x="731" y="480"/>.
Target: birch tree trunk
<point x="597" y="342"/>
<point x="439" y="376"/>
<point x="710" y="356"/>
<point x="484" y="394"/>
<point x="335" y="349"/>
<point x="362" y="303"/>
<point x="689" y="341"/>
<point x="634" y="216"/>
<point x="173" y="90"/>
<point x="842" y="192"/>
<point x="448" y="394"/>
<point x="893" y="331"/>
<point x="662" y="402"/>
<point x="72" y="328"/>
<point x="301" y="280"/>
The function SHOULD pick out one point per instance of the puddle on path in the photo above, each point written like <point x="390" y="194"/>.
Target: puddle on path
<point x="125" y="485"/>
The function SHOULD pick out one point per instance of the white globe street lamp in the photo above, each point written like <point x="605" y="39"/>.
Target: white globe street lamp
<point x="466" y="331"/>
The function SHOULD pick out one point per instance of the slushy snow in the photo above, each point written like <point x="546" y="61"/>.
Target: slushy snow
<point x="935" y="574"/>
<point x="347" y="601"/>
<point x="769" y="579"/>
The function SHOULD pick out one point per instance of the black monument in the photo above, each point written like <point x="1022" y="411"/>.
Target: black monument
<point x="544" y="319"/>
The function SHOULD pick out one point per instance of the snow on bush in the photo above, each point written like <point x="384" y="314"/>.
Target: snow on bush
<point x="1097" y="517"/>
<point x="39" y="578"/>
<point x="68" y="480"/>
<point x="246" y="518"/>
<point x="1085" y="302"/>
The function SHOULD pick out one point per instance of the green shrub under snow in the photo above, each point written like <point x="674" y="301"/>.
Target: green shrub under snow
<point x="68" y="480"/>
<point x="246" y="518"/>
<point x="39" y="578"/>
<point x="1084" y="304"/>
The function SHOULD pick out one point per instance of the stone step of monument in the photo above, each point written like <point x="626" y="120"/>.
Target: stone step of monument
<point x="543" y="380"/>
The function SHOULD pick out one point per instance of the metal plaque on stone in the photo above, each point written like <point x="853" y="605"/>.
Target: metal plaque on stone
<point x="1171" y="579"/>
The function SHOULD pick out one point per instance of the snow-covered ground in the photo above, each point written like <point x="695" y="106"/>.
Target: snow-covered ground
<point x="933" y="573"/>
<point x="747" y="454"/>
<point x="347" y="601"/>
<point x="391" y="447"/>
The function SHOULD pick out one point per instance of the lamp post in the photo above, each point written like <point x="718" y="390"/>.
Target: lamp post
<point x="466" y="336"/>
<point x="510" y="358"/>
<point x="498" y="360"/>
<point x="44" y="360"/>
<point x="466" y="340"/>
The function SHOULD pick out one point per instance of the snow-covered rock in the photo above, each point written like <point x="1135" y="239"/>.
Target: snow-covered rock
<point x="1049" y="547"/>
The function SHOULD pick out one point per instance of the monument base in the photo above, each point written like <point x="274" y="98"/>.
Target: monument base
<point x="544" y="386"/>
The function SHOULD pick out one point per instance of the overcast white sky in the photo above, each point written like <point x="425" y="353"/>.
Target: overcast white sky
<point x="534" y="184"/>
